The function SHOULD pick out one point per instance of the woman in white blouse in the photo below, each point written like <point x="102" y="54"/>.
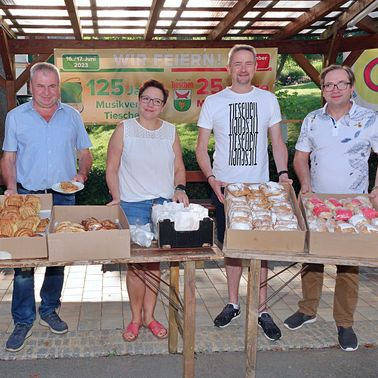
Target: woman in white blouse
<point x="145" y="167"/>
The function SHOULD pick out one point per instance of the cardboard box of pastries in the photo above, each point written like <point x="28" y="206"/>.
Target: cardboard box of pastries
<point x="340" y="225"/>
<point x="88" y="233"/>
<point x="263" y="217"/>
<point x="20" y="234"/>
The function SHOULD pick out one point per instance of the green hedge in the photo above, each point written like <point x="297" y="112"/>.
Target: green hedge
<point x="96" y="191"/>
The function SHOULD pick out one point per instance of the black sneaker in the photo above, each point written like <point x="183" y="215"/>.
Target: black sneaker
<point x="271" y="331"/>
<point x="347" y="339"/>
<point x="224" y="318"/>
<point x="54" y="322"/>
<point x="18" y="337"/>
<point x="297" y="320"/>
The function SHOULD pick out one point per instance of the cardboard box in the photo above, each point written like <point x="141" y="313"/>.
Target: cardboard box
<point x="170" y="238"/>
<point x="90" y="245"/>
<point x="28" y="247"/>
<point x="338" y="244"/>
<point x="277" y="241"/>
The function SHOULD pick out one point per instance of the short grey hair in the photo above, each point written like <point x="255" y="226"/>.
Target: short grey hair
<point x="44" y="67"/>
<point x="237" y="48"/>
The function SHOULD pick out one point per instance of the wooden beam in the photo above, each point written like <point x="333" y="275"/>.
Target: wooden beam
<point x="94" y="16"/>
<point x="22" y="46"/>
<point x="14" y="22"/>
<point x="11" y="94"/>
<point x="74" y="17"/>
<point x="156" y="7"/>
<point x="352" y="57"/>
<point x="307" y="67"/>
<point x="308" y="18"/>
<point x="25" y="75"/>
<point x="346" y="17"/>
<point x="2" y="82"/>
<point x="368" y="25"/>
<point x="359" y="42"/>
<point x="6" y="56"/>
<point x="6" y="28"/>
<point x="233" y="16"/>
<point x="334" y="48"/>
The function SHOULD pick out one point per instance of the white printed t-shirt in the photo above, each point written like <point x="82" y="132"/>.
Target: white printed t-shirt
<point x="339" y="150"/>
<point x="240" y="123"/>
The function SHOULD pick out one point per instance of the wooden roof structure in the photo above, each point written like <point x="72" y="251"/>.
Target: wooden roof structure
<point x="295" y="27"/>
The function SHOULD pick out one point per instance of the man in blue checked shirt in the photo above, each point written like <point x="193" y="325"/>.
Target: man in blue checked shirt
<point x="44" y="143"/>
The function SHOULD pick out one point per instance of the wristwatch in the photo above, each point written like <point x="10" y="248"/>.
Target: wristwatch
<point x="181" y="188"/>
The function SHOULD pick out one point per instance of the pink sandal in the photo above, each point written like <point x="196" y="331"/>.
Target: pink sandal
<point x="133" y="330"/>
<point x="156" y="328"/>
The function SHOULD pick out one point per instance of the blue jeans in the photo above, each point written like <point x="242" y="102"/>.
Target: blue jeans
<point x="23" y="299"/>
<point x="139" y="213"/>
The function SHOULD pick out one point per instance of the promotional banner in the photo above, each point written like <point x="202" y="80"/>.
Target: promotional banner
<point x="366" y="71"/>
<point x="104" y="84"/>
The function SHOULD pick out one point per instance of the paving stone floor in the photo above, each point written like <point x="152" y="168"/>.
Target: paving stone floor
<point x="96" y="307"/>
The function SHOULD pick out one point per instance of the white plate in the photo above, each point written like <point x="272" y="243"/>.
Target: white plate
<point x="56" y="187"/>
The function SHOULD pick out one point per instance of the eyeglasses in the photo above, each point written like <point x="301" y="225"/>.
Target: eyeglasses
<point x="341" y="85"/>
<point x="155" y="101"/>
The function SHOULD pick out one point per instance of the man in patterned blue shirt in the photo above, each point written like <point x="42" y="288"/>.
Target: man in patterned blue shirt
<point x="44" y="142"/>
<point x="338" y="140"/>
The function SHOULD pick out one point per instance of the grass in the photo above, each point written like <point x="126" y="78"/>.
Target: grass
<point x="296" y="101"/>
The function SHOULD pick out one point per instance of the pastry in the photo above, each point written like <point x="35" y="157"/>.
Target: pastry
<point x="68" y="187"/>
<point x="238" y="190"/>
<point x="333" y="203"/>
<point x="33" y="201"/>
<point x="14" y="200"/>
<point x="343" y="214"/>
<point x="43" y="223"/>
<point x="67" y="226"/>
<point x="109" y="225"/>
<point x="322" y="211"/>
<point x="345" y="228"/>
<point x="7" y="227"/>
<point x="24" y="232"/>
<point x="27" y="210"/>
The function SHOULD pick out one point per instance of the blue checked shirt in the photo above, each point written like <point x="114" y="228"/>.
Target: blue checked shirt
<point x="46" y="151"/>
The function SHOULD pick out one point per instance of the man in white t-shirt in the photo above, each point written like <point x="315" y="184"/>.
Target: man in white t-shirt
<point x="338" y="140"/>
<point x="241" y="118"/>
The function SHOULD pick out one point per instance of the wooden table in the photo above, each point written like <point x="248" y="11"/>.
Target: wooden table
<point x="175" y="256"/>
<point x="253" y="287"/>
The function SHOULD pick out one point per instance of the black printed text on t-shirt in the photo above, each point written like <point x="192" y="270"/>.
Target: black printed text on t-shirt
<point x="243" y="123"/>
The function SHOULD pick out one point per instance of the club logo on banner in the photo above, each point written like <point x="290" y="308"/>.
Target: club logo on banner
<point x="104" y="84"/>
<point x="182" y="99"/>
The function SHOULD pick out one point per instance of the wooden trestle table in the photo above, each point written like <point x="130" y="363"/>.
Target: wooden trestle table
<point x="139" y="255"/>
<point x="255" y="258"/>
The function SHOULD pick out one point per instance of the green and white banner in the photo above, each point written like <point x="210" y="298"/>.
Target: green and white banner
<point x="104" y="84"/>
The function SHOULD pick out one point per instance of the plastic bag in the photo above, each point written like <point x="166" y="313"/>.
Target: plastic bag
<point x="141" y="234"/>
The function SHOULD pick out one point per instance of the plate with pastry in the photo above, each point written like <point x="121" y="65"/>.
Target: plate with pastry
<point x="68" y="187"/>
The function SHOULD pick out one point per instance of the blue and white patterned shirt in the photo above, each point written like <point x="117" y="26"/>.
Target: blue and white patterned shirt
<point x="339" y="150"/>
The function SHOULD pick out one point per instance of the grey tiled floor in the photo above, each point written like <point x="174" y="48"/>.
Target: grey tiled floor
<point x="96" y="307"/>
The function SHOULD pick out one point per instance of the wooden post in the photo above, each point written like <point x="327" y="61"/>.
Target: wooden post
<point x="189" y="317"/>
<point x="252" y="310"/>
<point x="174" y="269"/>
<point x="11" y="94"/>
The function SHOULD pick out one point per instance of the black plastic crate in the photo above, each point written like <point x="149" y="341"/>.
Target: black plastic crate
<point x="170" y="238"/>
